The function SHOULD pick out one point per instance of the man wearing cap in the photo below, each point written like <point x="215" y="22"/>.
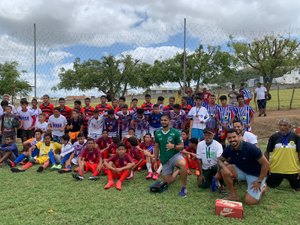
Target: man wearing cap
<point x="95" y="125"/>
<point x="243" y="161"/>
<point x="260" y="94"/>
<point x="208" y="152"/>
<point x="284" y="149"/>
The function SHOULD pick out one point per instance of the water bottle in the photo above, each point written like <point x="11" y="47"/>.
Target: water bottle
<point x="213" y="184"/>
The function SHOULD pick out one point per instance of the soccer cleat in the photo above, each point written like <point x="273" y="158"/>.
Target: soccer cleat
<point x="183" y="192"/>
<point x="93" y="178"/>
<point x="11" y="163"/>
<point x="40" y="169"/>
<point x="109" y="184"/>
<point x="77" y="176"/>
<point x="65" y="170"/>
<point x="155" y="176"/>
<point x="16" y="170"/>
<point x="197" y="172"/>
<point x="149" y="175"/>
<point x="130" y="176"/>
<point x="56" y="167"/>
<point x="119" y="185"/>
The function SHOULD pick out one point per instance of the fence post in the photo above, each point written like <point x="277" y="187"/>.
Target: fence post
<point x="278" y="101"/>
<point x="291" y="101"/>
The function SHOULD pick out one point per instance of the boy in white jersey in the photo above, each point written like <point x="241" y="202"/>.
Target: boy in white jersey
<point x="27" y="120"/>
<point x="78" y="147"/>
<point x="41" y="124"/>
<point x="57" y="124"/>
<point x="95" y="125"/>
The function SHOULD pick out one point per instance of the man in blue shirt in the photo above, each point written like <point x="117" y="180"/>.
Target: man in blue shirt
<point x="8" y="150"/>
<point x="243" y="161"/>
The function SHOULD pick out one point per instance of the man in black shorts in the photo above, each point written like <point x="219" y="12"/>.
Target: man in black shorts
<point x="284" y="147"/>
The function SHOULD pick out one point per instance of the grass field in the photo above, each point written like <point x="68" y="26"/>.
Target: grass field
<point x="52" y="198"/>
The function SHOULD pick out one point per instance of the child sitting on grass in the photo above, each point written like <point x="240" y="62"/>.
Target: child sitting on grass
<point x="9" y="150"/>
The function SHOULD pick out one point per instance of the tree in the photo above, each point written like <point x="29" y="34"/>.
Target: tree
<point x="10" y="82"/>
<point x="109" y="75"/>
<point x="270" y="57"/>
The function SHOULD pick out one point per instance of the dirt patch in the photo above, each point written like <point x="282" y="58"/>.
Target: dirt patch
<point x="264" y="127"/>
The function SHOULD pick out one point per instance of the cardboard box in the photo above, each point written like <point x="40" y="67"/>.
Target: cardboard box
<point x="229" y="208"/>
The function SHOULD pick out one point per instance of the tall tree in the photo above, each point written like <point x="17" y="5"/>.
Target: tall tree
<point x="10" y="82"/>
<point x="271" y="56"/>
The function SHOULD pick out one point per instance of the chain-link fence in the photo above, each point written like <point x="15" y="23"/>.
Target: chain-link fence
<point x="59" y="49"/>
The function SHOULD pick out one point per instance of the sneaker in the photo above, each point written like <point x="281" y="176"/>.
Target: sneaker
<point x="155" y="176"/>
<point x="183" y="192"/>
<point x="77" y="176"/>
<point x="65" y="170"/>
<point x="40" y="169"/>
<point x="149" y="175"/>
<point x="16" y="170"/>
<point x="54" y="167"/>
<point x="119" y="185"/>
<point x="130" y="176"/>
<point x="109" y="184"/>
<point x="93" y="178"/>
<point x="10" y="163"/>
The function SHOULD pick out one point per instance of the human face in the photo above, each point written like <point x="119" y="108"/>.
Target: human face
<point x="121" y="151"/>
<point x="171" y="101"/>
<point x="183" y="101"/>
<point x="56" y="113"/>
<point x="91" y="145"/>
<point x="74" y="114"/>
<point x="156" y="110"/>
<point x="80" y="140"/>
<point x="121" y="102"/>
<point x="47" y="140"/>
<point x="8" y="110"/>
<point x="41" y="118"/>
<point x="233" y="140"/>
<point x="134" y="103"/>
<point x="45" y="99"/>
<point x="212" y="99"/>
<point x="96" y="115"/>
<point x="131" y="133"/>
<point x="124" y="110"/>
<point x="184" y="135"/>
<point x="199" y="102"/>
<point x="8" y="141"/>
<point x="87" y="102"/>
<point x="24" y="106"/>
<point x="240" y="101"/>
<point x="105" y="134"/>
<point x="239" y="127"/>
<point x="34" y="103"/>
<point x="148" y="99"/>
<point x="64" y="142"/>
<point x="177" y="111"/>
<point x="165" y="122"/>
<point x="103" y="100"/>
<point x="147" y="138"/>
<point x="38" y="135"/>
<point x="284" y="127"/>
<point x="208" y="137"/>
<point x="224" y="102"/>
<point x="115" y="103"/>
<point x="77" y="106"/>
<point x="62" y="103"/>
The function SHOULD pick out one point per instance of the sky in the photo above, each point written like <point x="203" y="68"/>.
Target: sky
<point x="147" y="30"/>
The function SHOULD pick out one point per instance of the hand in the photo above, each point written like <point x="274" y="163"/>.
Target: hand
<point x="170" y="146"/>
<point x="118" y="170"/>
<point x="155" y="166"/>
<point x="61" y="129"/>
<point x="256" y="186"/>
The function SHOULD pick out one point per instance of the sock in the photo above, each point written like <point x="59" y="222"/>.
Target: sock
<point x="51" y="157"/>
<point x="19" y="159"/>
<point x="149" y="167"/>
<point x="109" y="175"/>
<point x="27" y="166"/>
<point x="46" y="164"/>
<point x="35" y="152"/>
<point x="159" y="169"/>
<point x="124" y="174"/>
<point x="68" y="167"/>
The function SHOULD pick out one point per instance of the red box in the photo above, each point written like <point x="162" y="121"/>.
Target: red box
<point x="229" y="208"/>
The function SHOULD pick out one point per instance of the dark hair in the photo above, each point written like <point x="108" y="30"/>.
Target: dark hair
<point x="148" y="134"/>
<point x="172" y="97"/>
<point x="61" y="99"/>
<point x="147" y="96"/>
<point x="122" y="98"/>
<point x="24" y="102"/>
<point x="194" y="141"/>
<point x="46" y="96"/>
<point x="133" y="141"/>
<point x="66" y="137"/>
<point x="223" y="97"/>
<point x="122" y="145"/>
<point x="87" y="99"/>
<point x="38" y="131"/>
<point x="176" y="106"/>
<point x="166" y="115"/>
<point x="238" y="121"/>
<point x="4" y="103"/>
<point x="10" y="137"/>
<point x="155" y="105"/>
<point x="116" y="140"/>
<point x="160" y="98"/>
<point x="80" y="135"/>
<point x="125" y="106"/>
<point x="239" y="96"/>
<point x="104" y="130"/>
<point x="57" y="108"/>
<point x="90" y="139"/>
<point x="78" y="102"/>
<point x="131" y="129"/>
<point x="134" y="99"/>
<point x="186" y="131"/>
<point x="110" y="112"/>
<point x="198" y="97"/>
<point x="231" y="130"/>
<point x="34" y="100"/>
<point x="140" y="111"/>
<point x="48" y="135"/>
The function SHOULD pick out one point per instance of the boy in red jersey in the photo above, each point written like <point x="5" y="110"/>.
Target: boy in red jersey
<point x="88" y="112"/>
<point x="64" y="110"/>
<point x="89" y="160"/>
<point x="147" y="105"/>
<point x="77" y="106"/>
<point x="47" y="107"/>
<point x="103" y="107"/>
<point x="103" y="143"/>
<point x="134" y="105"/>
<point x="190" y="157"/>
<point x="118" y="166"/>
<point x="137" y="157"/>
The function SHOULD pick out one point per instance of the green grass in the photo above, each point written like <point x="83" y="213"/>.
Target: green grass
<point x="52" y="198"/>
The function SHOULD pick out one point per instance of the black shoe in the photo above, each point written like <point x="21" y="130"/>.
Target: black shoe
<point x="16" y="170"/>
<point x="259" y="115"/>
<point x="40" y="169"/>
<point x="265" y="115"/>
<point x="65" y="170"/>
<point x="77" y="176"/>
<point x="10" y="163"/>
<point x="94" y="178"/>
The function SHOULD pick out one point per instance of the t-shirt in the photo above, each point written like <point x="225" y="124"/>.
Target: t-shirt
<point x="9" y="123"/>
<point x="225" y="115"/>
<point x="135" y="153"/>
<point x="36" y="112"/>
<point x="154" y="120"/>
<point x="124" y="120"/>
<point x="103" y="143"/>
<point x="93" y="156"/>
<point x="66" y="112"/>
<point x="76" y="124"/>
<point x="162" y="138"/>
<point x="45" y="149"/>
<point x="213" y="111"/>
<point x="250" y="137"/>
<point x="112" y="125"/>
<point x="244" y="114"/>
<point x="103" y="108"/>
<point x="260" y="93"/>
<point x="78" y="147"/>
<point x="197" y="115"/>
<point x="95" y="126"/>
<point x="120" y="162"/>
<point x="47" y="110"/>
<point x="43" y="126"/>
<point x="56" y="124"/>
<point x="66" y="149"/>
<point x="178" y="120"/>
<point x="140" y="125"/>
<point x="245" y="158"/>
<point x="26" y="118"/>
<point x="284" y="153"/>
<point x="10" y="148"/>
<point x="147" y="107"/>
<point x="149" y="147"/>
<point x="209" y="153"/>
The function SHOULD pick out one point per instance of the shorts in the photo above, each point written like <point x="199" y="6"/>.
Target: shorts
<point x="168" y="167"/>
<point x="197" y="133"/>
<point x="42" y="159"/>
<point x="26" y="134"/>
<point x="208" y="175"/>
<point x="275" y="179"/>
<point x="241" y="175"/>
<point x="262" y="103"/>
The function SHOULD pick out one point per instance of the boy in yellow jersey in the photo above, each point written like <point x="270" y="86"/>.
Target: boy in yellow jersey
<point x="284" y="147"/>
<point x="44" y="147"/>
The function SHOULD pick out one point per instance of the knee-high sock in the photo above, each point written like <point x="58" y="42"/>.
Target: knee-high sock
<point x="46" y="164"/>
<point x="143" y="163"/>
<point x="19" y="159"/>
<point x="52" y="158"/>
<point x="186" y="163"/>
<point x="124" y="174"/>
<point x="149" y="167"/>
<point x="27" y="166"/>
<point x="159" y="169"/>
<point x="109" y="175"/>
<point x="65" y="158"/>
<point x="35" y="152"/>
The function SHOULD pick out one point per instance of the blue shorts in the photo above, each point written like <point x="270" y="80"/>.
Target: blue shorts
<point x="241" y="175"/>
<point x="197" y="133"/>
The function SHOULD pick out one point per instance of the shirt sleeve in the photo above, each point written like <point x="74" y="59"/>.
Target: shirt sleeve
<point x="220" y="150"/>
<point x="178" y="139"/>
<point x="198" y="151"/>
<point x="129" y="158"/>
<point x="271" y="144"/>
